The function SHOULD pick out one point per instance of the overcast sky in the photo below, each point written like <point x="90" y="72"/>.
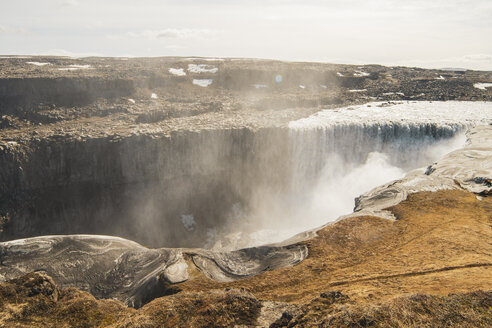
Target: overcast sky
<point x="426" y="33"/>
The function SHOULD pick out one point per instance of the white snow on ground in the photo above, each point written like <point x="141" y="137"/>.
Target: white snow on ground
<point x="131" y="100"/>
<point x="80" y="66"/>
<point x="445" y="112"/>
<point x="358" y="90"/>
<point x="440" y="78"/>
<point x="177" y="71"/>
<point x="361" y="73"/>
<point x="259" y="86"/>
<point x="75" y="67"/>
<point x="302" y="86"/>
<point x="202" y="68"/>
<point x="203" y="82"/>
<point x="394" y="93"/>
<point x="483" y="86"/>
<point x="38" y="63"/>
<point x="153" y="96"/>
<point x="339" y="74"/>
<point x="323" y="86"/>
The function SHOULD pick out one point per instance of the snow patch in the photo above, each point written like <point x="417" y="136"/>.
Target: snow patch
<point x="416" y="112"/>
<point x="131" y="100"/>
<point x="393" y="93"/>
<point x="483" y="86"/>
<point x="260" y="86"/>
<point x="177" y="71"/>
<point x="339" y="74"/>
<point x="153" y="96"/>
<point x="202" y="68"/>
<point x="202" y="82"/>
<point x="358" y="90"/>
<point x="75" y="67"/>
<point x="38" y="63"/>
<point x="361" y="73"/>
<point x="302" y="86"/>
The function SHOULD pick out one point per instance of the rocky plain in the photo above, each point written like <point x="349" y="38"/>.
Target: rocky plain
<point x="114" y="172"/>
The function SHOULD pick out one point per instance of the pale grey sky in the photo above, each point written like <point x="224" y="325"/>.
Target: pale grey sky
<point x="437" y="33"/>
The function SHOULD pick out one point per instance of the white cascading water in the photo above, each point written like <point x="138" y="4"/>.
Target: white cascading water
<point x="340" y="154"/>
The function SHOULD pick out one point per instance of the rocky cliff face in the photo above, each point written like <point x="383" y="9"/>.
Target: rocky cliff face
<point x="22" y="96"/>
<point x="189" y="189"/>
<point x="139" y="187"/>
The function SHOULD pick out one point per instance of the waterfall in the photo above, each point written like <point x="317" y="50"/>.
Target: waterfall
<point x="333" y="164"/>
<point x="340" y="148"/>
<point x="336" y="155"/>
<point x="224" y="188"/>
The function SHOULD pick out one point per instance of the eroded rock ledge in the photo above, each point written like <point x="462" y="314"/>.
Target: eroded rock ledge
<point x="469" y="168"/>
<point x="111" y="267"/>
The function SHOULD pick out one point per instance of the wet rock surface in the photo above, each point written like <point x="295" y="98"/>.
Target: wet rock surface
<point x="110" y="267"/>
<point x="468" y="169"/>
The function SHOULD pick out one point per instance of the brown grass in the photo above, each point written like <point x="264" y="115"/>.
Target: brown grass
<point x="425" y="269"/>
<point x="440" y="244"/>
<point x="457" y="310"/>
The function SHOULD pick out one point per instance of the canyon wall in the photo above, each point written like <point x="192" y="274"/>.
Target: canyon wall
<point x="189" y="188"/>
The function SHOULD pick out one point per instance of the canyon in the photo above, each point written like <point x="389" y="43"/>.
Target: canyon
<point x="271" y="183"/>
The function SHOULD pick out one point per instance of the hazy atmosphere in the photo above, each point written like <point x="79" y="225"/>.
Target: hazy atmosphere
<point x="431" y="34"/>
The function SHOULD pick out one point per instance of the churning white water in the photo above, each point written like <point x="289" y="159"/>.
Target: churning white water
<point x="340" y="154"/>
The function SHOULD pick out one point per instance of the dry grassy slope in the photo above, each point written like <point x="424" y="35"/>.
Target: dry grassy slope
<point x="440" y="244"/>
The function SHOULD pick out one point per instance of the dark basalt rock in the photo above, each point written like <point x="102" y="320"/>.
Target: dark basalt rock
<point x="110" y="267"/>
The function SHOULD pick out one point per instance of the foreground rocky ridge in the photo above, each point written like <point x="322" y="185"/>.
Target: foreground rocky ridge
<point x="35" y="301"/>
